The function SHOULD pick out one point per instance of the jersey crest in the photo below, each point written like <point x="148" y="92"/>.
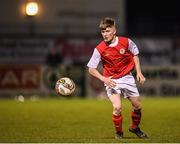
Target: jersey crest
<point x="122" y="51"/>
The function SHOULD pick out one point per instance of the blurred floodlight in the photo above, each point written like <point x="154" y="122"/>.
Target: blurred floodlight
<point x="31" y="8"/>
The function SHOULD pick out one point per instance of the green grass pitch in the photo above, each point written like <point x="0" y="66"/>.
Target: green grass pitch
<point x="85" y="121"/>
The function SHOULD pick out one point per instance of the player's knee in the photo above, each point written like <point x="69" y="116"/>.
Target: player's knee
<point x="117" y="110"/>
<point x="137" y="105"/>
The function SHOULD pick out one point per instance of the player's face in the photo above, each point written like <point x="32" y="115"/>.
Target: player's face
<point x="108" y="34"/>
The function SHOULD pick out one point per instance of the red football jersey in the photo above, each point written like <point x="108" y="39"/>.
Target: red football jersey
<point x="117" y="61"/>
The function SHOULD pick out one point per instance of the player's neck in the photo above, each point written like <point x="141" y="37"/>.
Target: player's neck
<point x="112" y="41"/>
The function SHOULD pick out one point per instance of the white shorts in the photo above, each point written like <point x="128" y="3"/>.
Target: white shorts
<point x="125" y="85"/>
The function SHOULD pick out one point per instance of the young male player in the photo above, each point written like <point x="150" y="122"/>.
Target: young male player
<point x="119" y="56"/>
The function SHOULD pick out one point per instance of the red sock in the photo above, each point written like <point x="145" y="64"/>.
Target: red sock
<point x="136" y="118"/>
<point x="117" y="120"/>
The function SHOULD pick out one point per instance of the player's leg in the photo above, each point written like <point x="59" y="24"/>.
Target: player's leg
<point x="130" y="91"/>
<point x="136" y="117"/>
<point x="136" y="111"/>
<point x="117" y="116"/>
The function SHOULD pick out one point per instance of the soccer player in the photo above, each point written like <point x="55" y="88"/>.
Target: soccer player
<point x="119" y="56"/>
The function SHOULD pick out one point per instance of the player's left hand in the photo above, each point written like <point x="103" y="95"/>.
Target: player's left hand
<point x="140" y="78"/>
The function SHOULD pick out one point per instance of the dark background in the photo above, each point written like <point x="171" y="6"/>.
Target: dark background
<point x="153" y="18"/>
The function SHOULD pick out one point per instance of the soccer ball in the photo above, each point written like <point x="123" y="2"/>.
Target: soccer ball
<point x="65" y="86"/>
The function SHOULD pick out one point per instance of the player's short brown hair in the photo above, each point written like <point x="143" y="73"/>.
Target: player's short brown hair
<point x="106" y="22"/>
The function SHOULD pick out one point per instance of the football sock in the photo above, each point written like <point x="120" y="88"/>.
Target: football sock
<point x="117" y="120"/>
<point x="136" y="118"/>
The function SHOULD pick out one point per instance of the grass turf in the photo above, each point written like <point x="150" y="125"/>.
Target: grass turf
<point x="84" y="120"/>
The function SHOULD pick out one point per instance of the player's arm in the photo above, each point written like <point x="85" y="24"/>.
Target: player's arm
<point x="107" y="80"/>
<point x="135" y="51"/>
<point x="140" y="77"/>
<point x="94" y="72"/>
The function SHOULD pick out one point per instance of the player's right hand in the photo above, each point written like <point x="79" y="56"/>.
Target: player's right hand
<point x="109" y="82"/>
